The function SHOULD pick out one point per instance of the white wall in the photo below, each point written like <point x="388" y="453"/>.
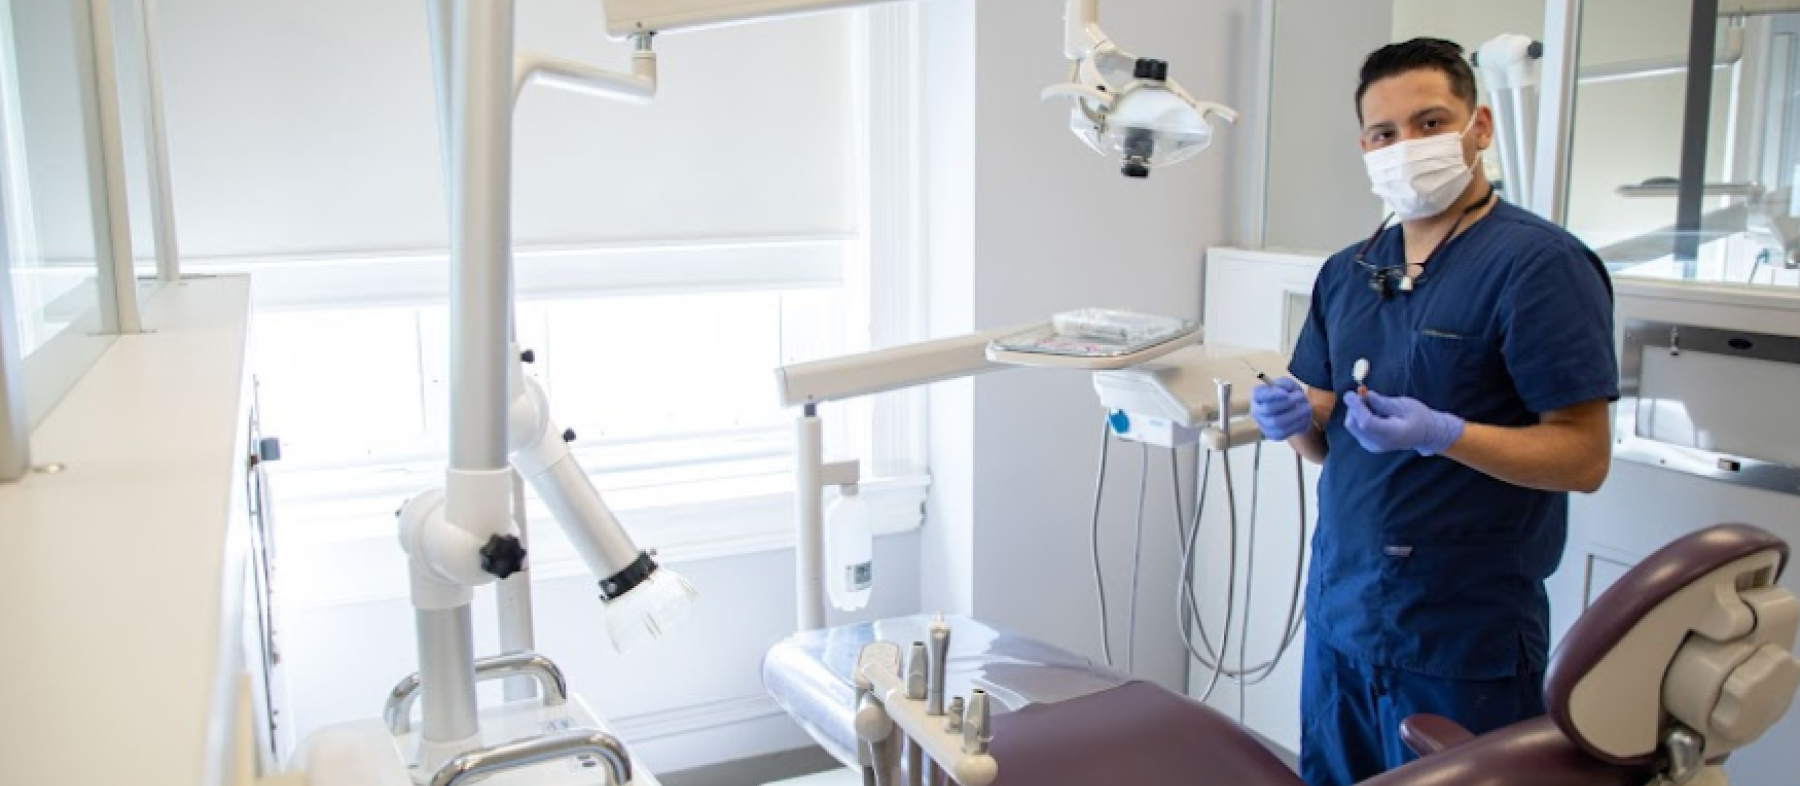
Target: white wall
<point x="1027" y="222"/>
<point x="949" y="56"/>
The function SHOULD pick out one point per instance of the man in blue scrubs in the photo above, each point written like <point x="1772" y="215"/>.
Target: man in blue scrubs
<point x="1482" y="337"/>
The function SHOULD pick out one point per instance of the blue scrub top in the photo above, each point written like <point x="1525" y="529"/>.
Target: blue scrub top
<point x="1423" y="564"/>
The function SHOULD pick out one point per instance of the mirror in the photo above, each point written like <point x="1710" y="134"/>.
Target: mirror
<point x="1634" y="133"/>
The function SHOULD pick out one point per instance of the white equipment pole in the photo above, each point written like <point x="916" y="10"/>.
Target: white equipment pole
<point x="479" y="131"/>
<point x="512" y="600"/>
<point x="162" y="193"/>
<point x="809" y="468"/>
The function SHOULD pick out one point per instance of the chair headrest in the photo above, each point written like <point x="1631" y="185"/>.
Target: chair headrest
<point x="1696" y="634"/>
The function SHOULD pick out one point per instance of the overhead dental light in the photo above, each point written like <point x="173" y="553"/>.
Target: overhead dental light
<point x="1126" y="106"/>
<point x="1122" y="106"/>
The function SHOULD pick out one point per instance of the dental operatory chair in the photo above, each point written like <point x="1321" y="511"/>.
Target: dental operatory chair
<point x="1688" y="657"/>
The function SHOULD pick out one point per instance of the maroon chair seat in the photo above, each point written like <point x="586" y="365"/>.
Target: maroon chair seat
<point x="1137" y="734"/>
<point x="1532" y="753"/>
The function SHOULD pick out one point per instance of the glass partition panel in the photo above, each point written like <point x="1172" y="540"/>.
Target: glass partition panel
<point x="1683" y="179"/>
<point x="54" y="266"/>
<point x="54" y="195"/>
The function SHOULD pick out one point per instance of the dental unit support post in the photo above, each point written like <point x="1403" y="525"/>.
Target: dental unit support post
<point x="472" y="51"/>
<point x="807" y="385"/>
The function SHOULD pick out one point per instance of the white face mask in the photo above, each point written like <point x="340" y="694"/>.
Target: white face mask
<point x="1421" y="178"/>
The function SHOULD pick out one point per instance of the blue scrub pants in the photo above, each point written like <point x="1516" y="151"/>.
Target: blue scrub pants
<point x="1350" y="712"/>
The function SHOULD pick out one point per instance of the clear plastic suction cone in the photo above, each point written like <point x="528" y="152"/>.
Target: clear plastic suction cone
<point x="645" y="602"/>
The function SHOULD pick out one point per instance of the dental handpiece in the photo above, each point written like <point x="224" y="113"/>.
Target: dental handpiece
<point x="916" y="672"/>
<point x="916" y="689"/>
<point x="953" y="723"/>
<point x="873" y="723"/>
<point x="939" y="666"/>
<point x="866" y="750"/>
<point x="1223" y="387"/>
<point x="977" y="727"/>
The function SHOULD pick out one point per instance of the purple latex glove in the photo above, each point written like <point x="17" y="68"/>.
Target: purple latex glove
<point x="1281" y="409"/>
<point x="1383" y="425"/>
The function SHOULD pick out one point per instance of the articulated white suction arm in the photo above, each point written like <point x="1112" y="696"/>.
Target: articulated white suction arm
<point x="453" y="553"/>
<point x="643" y="599"/>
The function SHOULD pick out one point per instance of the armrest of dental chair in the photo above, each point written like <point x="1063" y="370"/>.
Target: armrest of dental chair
<point x="1429" y="734"/>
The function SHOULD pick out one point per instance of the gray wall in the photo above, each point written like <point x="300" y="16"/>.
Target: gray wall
<point x="1318" y="192"/>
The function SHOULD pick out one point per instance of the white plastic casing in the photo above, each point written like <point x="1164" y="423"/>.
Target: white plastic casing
<point x="1732" y="689"/>
<point x="626" y="17"/>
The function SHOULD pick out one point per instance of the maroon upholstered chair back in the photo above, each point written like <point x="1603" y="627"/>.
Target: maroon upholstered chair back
<point x="1697" y="634"/>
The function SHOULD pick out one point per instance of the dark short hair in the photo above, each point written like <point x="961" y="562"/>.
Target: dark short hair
<point x="1434" y="54"/>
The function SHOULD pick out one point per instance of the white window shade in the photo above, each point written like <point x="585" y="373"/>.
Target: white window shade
<point x="306" y="129"/>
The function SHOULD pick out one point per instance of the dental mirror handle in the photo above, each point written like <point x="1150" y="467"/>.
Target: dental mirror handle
<point x="1223" y="387"/>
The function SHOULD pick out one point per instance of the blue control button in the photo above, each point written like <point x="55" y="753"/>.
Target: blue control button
<point x="1121" y="423"/>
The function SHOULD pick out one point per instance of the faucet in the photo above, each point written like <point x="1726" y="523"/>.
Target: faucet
<point x="550" y="683"/>
<point x="513" y="755"/>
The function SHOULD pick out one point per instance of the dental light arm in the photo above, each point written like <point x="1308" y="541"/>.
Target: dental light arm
<point x="1120" y="105"/>
<point x="643" y="600"/>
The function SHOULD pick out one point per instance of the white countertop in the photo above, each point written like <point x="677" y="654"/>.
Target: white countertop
<point x="122" y="609"/>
